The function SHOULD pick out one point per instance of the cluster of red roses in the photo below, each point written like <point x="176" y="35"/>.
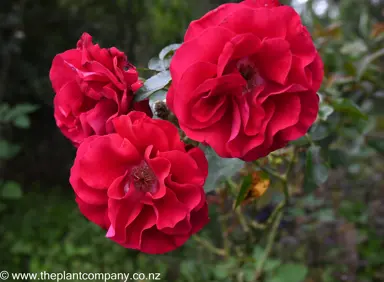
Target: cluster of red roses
<point x="244" y="82"/>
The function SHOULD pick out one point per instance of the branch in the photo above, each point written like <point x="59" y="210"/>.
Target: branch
<point x="270" y="242"/>
<point x="270" y="171"/>
<point x="275" y="218"/>
<point x="209" y="246"/>
<point x="286" y="174"/>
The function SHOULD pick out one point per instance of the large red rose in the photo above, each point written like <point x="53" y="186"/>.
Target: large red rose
<point x="142" y="184"/>
<point x="245" y="79"/>
<point x="93" y="85"/>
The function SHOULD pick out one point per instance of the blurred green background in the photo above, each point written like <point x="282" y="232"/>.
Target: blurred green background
<point x="333" y="234"/>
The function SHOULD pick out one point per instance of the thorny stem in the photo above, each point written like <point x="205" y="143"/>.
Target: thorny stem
<point x="271" y="219"/>
<point x="270" y="171"/>
<point x="291" y="163"/>
<point x="145" y="69"/>
<point x="286" y="174"/>
<point x="271" y="240"/>
<point x="286" y="192"/>
<point x="272" y="223"/>
<point x="275" y="218"/>
<point x="257" y="226"/>
<point x="309" y="139"/>
<point x="226" y="242"/>
<point x="242" y="220"/>
<point x="209" y="246"/>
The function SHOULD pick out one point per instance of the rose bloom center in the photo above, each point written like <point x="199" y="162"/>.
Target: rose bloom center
<point x="143" y="179"/>
<point x="250" y="73"/>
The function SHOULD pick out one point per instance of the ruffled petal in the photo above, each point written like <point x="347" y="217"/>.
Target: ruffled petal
<point x="274" y="60"/>
<point x="107" y="159"/>
<point x="211" y="19"/>
<point x="200" y="49"/>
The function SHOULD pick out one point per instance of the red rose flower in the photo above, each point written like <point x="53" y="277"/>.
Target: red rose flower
<point x="142" y="184"/>
<point x="245" y="79"/>
<point x="93" y="85"/>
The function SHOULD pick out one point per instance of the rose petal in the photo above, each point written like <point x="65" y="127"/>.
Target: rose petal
<point x="189" y="194"/>
<point x="310" y="107"/>
<point x="95" y="213"/>
<point x="107" y="159"/>
<point x="264" y="23"/>
<point x="122" y="214"/>
<point x="240" y="46"/>
<point x="274" y="59"/>
<point x="200" y="49"/>
<point x="288" y="109"/>
<point x="156" y="242"/>
<point x="169" y="210"/>
<point x="199" y="218"/>
<point x="211" y="19"/>
<point x="98" y="116"/>
<point x="261" y="3"/>
<point x="63" y="69"/>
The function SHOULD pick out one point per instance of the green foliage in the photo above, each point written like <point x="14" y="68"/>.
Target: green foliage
<point x="348" y="107"/>
<point x="17" y="115"/>
<point x="289" y="273"/>
<point x="247" y="181"/>
<point x="160" y="80"/>
<point x="153" y="84"/>
<point x="11" y="190"/>
<point x="219" y="169"/>
<point x="8" y="150"/>
<point x="81" y="247"/>
<point x="10" y="117"/>
<point x="316" y="172"/>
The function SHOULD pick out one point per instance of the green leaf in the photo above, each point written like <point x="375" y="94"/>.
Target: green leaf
<point x="159" y="95"/>
<point x="309" y="183"/>
<point x="320" y="173"/>
<point x="316" y="172"/>
<point x="225" y="268"/>
<point x="348" y="107"/>
<point x="8" y="150"/>
<point x="290" y="272"/>
<point x="300" y="142"/>
<point x="4" y="108"/>
<point x="248" y="272"/>
<point x="247" y="181"/>
<point x="325" y="215"/>
<point x="366" y="61"/>
<point x="11" y="190"/>
<point x="257" y="253"/>
<point x="188" y="268"/>
<point x="271" y="264"/>
<point x="337" y="157"/>
<point x="162" y="62"/>
<point x="354" y="48"/>
<point x="20" y="110"/>
<point x="364" y="23"/>
<point x="153" y="84"/>
<point x="219" y="168"/>
<point x="325" y="111"/>
<point x="157" y="65"/>
<point x="319" y="132"/>
<point x="22" y="121"/>
<point x="169" y="50"/>
<point x="24" y="109"/>
<point x="377" y="144"/>
<point x="312" y="202"/>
